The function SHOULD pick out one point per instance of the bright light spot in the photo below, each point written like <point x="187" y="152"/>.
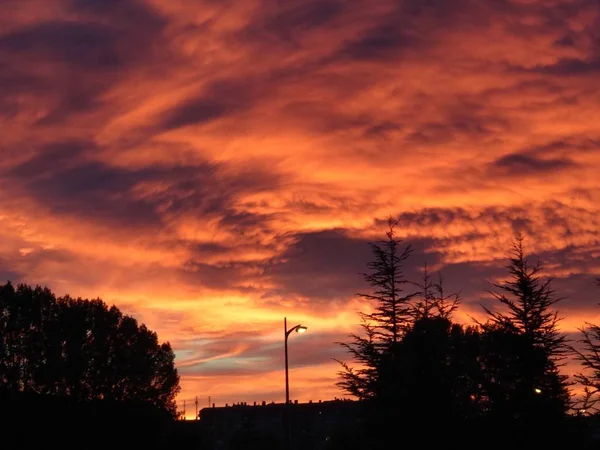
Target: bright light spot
<point x="538" y="390"/>
<point x="301" y="329"/>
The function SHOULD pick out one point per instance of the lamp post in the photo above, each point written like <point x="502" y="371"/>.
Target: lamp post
<point x="298" y="329"/>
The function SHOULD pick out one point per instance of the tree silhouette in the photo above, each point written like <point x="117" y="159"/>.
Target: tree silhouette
<point x="433" y="301"/>
<point x="391" y="311"/>
<point x="81" y="349"/>
<point x="449" y="383"/>
<point x="415" y="366"/>
<point x="361" y="382"/>
<point x="589" y="357"/>
<point x="424" y="306"/>
<point x="522" y="346"/>
<point x="386" y="324"/>
<point x="437" y="374"/>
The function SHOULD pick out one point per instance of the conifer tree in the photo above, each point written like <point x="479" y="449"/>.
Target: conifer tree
<point x="386" y="323"/>
<point x="589" y="358"/>
<point x="522" y="344"/>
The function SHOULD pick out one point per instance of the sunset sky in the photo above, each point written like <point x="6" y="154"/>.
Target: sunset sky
<point x="213" y="166"/>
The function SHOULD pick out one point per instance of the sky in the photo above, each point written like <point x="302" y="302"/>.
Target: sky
<point x="211" y="167"/>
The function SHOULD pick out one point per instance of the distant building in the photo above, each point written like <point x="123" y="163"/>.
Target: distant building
<point x="311" y="424"/>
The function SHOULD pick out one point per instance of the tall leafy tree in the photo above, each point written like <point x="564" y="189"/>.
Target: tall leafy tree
<point x="81" y="349"/>
<point x="522" y="344"/>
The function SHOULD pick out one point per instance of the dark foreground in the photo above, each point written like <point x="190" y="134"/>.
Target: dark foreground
<point x="36" y="422"/>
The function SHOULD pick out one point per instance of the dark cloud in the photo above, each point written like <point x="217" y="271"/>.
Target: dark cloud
<point x="438" y="133"/>
<point x="220" y="99"/>
<point x="408" y="27"/>
<point x="7" y="273"/>
<point x="520" y="164"/>
<point x="66" y="178"/>
<point x="473" y="279"/>
<point x="199" y="111"/>
<point x="289" y="20"/>
<point x="458" y="116"/>
<point x="579" y="292"/>
<point x="555" y="215"/>
<point x="441" y="10"/>
<point x="15" y="81"/>
<point x="427" y="217"/>
<point x="563" y="147"/>
<point x="231" y="276"/>
<point x="323" y="265"/>
<point x="80" y="60"/>
<point x="565" y="41"/>
<point x="470" y="280"/>
<point x="242" y="221"/>
<point x="379" y="43"/>
<point x="138" y="14"/>
<point x="571" y="67"/>
<point x="88" y="45"/>
<point x="57" y="155"/>
<point x="382" y="129"/>
<point x="57" y="268"/>
<point x="211" y="248"/>
<point x="327" y="266"/>
<point x="62" y="180"/>
<point x="75" y="50"/>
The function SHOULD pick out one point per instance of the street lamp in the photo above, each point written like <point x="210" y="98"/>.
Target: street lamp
<point x="298" y="329"/>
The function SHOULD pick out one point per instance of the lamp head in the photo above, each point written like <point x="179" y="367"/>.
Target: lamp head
<point x="301" y="329"/>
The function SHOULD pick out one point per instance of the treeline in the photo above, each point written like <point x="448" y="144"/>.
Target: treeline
<point x="495" y="383"/>
<point x="71" y="368"/>
<point x="81" y="349"/>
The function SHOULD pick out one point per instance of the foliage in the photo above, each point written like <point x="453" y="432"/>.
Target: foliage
<point x="386" y="324"/>
<point x="391" y="306"/>
<point x="529" y="302"/>
<point x="589" y="357"/>
<point x="361" y="382"/>
<point x="522" y="346"/>
<point x="415" y="363"/>
<point x="81" y="349"/>
<point x="432" y="298"/>
<point x="434" y="369"/>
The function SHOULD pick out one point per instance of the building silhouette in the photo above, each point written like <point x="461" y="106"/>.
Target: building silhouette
<point x="312" y="424"/>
